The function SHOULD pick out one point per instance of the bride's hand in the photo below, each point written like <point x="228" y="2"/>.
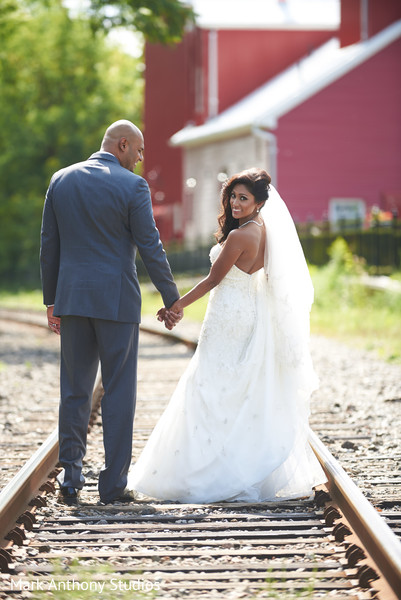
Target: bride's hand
<point x="177" y="309"/>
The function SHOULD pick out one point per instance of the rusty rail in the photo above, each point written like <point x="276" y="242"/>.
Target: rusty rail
<point x="370" y="527"/>
<point x="30" y="480"/>
<point x="378" y="539"/>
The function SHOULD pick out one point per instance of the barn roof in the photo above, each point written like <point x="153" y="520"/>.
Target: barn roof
<point x="263" y="107"/>
<point x="267" y="14"/>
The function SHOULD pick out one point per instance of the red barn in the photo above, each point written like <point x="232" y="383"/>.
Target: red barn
<point x="315" y="103"/>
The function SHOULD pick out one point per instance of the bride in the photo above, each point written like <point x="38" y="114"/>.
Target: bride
<point x="236" y="427"/>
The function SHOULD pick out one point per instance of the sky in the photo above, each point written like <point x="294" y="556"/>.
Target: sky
<point x="259" y="13"/>
<point x="131" y="42"/>
<point x="232" y="13"/>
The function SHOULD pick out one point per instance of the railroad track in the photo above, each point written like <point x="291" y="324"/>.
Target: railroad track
<point x="332" y="547"/>
<point x="30" y="361"/>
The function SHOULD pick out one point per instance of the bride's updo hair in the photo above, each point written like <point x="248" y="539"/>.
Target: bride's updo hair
<point x="257" y="183"/>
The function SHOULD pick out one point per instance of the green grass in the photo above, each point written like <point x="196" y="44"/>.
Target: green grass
<point x="151" y="301"/>
<point x="271" y="590"/>
<point x="22" y="299"/>
<point x="80" y="581"/>
<point x="375" y="329"/>
<point x="359" y="316"/>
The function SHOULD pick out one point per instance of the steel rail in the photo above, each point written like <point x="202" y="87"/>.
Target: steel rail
<point x="16" y="495"/>
<point x="175" y="337"/>
<point x="26" y="484"/>
<point x="369" y="526"/>
<point x="381" y="543"/>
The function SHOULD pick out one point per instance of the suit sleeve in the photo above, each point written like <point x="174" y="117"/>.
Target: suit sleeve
<point x="49" y="250"/>
<point x="146" y="237"/>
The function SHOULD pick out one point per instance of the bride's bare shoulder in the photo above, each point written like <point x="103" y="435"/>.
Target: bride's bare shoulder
<point x="245" y="237"/>
<point x="238" y="234"/>
<point x="238" y="237"/>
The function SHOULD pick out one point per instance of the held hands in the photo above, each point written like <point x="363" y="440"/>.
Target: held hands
<point x="171" y="316"/>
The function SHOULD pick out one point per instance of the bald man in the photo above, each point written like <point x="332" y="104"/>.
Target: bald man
<point x="97" y="213"/>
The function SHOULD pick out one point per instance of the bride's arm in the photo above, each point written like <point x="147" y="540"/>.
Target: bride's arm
<point x="230" y="253"/>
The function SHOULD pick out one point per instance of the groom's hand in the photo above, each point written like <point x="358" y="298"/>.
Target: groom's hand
<point x="52" y="321"/>
<point x="161" y="315"/>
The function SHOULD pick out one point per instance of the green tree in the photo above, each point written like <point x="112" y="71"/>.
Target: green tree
<point x="160" y="21"/>
<point x="61" y="84"/>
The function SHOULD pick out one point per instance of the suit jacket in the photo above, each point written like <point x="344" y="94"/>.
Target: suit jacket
<point x="96" y="215"/>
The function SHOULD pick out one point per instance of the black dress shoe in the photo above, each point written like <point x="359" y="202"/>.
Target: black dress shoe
<point x="126" y="497"/>
<point x="68" y="495"/>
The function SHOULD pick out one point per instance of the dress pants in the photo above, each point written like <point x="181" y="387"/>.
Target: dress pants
<point x="84" y="341"/>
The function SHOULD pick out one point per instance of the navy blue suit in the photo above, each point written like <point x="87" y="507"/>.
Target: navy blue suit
<point x="96" y="215"/>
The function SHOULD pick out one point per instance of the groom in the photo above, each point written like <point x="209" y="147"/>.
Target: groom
<point x="97" y="213"/>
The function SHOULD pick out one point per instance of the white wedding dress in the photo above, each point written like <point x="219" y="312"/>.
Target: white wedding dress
<point x="236" y="426"/>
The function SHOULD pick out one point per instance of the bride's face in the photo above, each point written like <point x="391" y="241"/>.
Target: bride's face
<point x="242" y="202"/>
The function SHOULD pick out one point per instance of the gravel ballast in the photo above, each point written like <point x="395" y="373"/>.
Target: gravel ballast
<point x="357" y="389"/>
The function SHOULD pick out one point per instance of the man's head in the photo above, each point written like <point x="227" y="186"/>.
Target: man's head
<point x="125" y="141"/>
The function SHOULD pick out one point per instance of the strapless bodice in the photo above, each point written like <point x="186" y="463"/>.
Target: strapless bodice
<point x="234" y="273"/>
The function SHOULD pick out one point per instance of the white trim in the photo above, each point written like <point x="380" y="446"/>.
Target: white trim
<point x="271" y="142"/>
<point x="270" y="26"/>
<point x="364" y="19"/>
<point x="213" y="74"/>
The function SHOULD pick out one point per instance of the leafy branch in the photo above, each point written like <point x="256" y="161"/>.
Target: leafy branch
<point x="160" y="21"/>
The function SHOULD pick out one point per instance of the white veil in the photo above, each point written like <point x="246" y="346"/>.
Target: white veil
<point x="290" y="290"/>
